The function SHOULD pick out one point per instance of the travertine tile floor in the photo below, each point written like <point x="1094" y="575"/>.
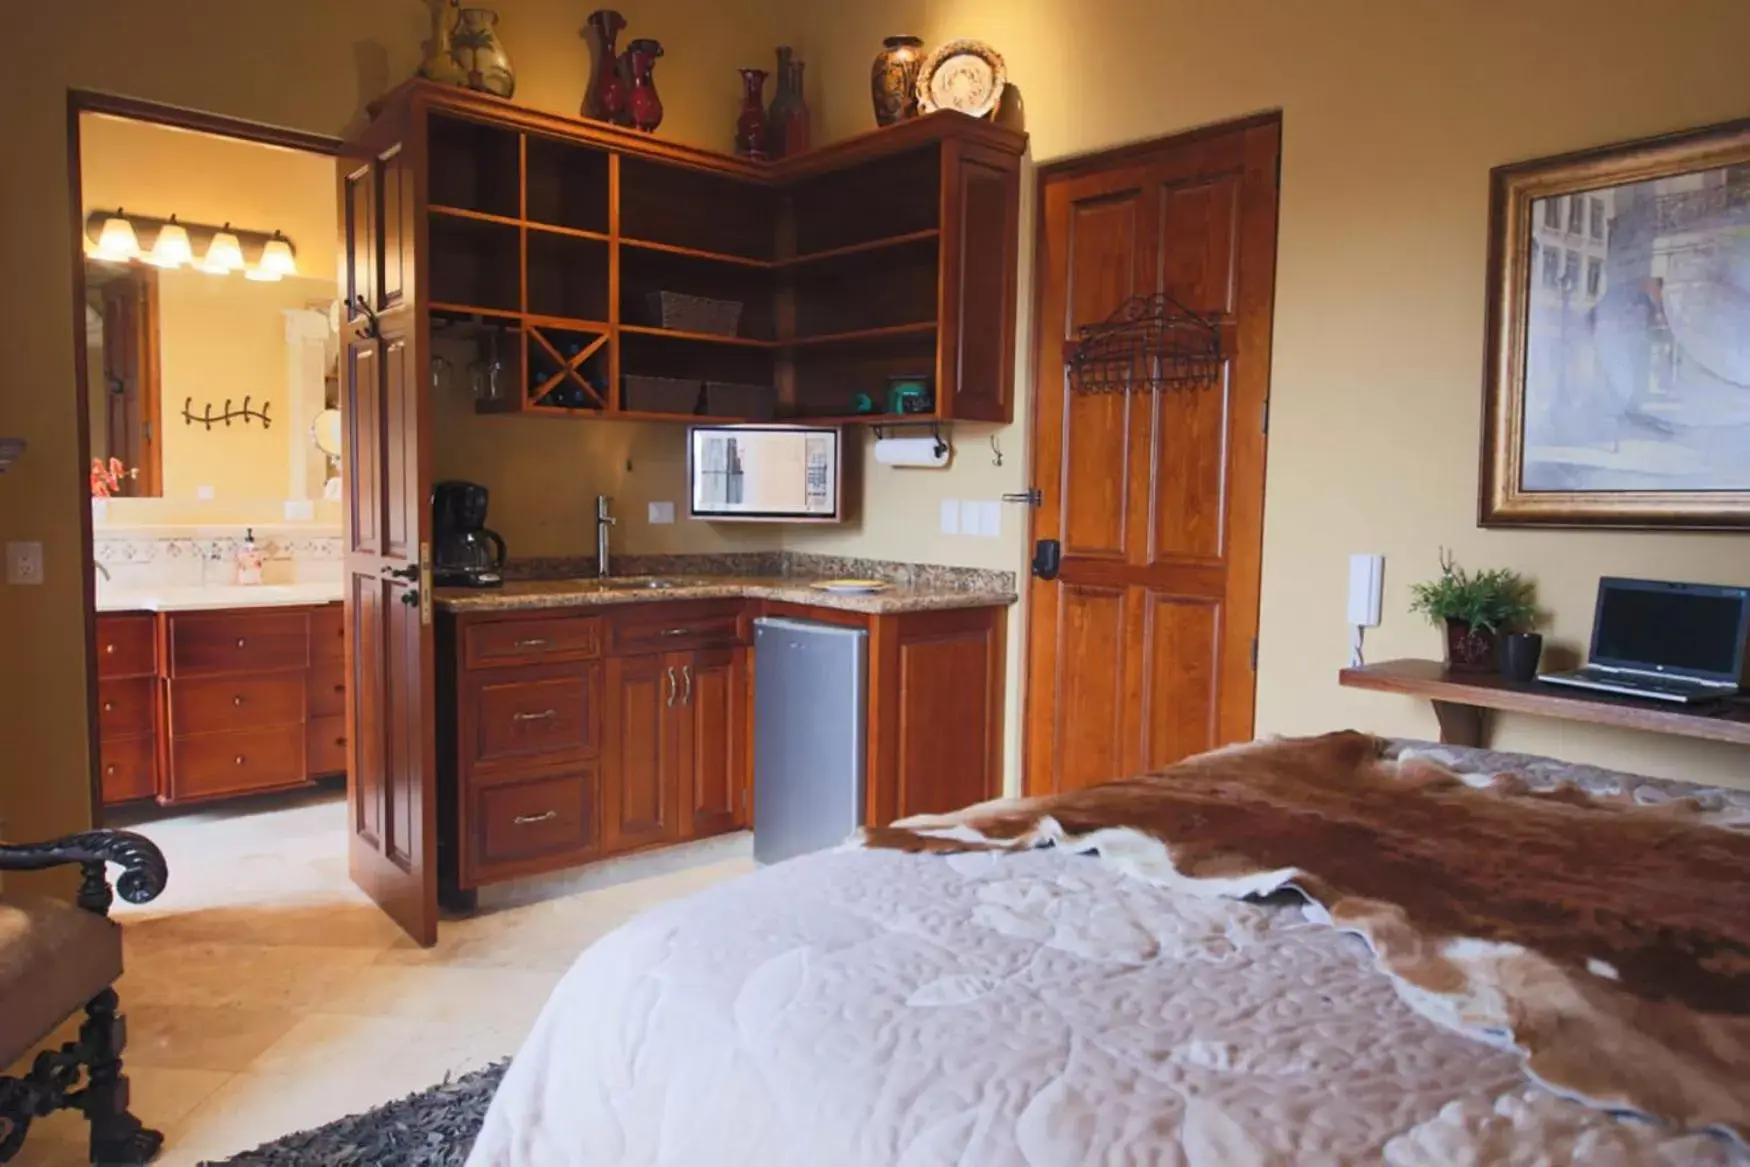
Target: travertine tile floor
<point x="265" y="994"/>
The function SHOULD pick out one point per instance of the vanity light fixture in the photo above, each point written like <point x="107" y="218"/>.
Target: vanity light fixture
<point x="224" y="253"/>
<point x="173" y="248"/>
<point x="262" y="274"/>
<point x="117" y="242"/>
<point x="277" y="257"/>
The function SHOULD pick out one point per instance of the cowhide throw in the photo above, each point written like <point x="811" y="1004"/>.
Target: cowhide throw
<point x="1609" y="942"/>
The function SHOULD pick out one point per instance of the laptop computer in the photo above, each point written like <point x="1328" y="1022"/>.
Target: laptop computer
<point x="1674" y="642"/>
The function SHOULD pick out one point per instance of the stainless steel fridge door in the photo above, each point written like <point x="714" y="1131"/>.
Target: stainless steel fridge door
<point x="810" y="701"/>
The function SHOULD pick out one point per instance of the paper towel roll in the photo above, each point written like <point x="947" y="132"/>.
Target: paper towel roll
<point x="909" y="452"/>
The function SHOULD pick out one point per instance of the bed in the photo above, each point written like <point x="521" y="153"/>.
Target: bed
<point x="872" y="1007"/>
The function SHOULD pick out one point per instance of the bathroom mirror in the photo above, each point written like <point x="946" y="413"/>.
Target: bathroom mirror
<point x="325" y="432"/>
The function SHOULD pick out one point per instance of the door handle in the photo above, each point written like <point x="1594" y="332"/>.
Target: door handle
<point x="687" y="676"/>
<point x="408" y="573"/>
<point x="1033" y="497"/>
<point x="410" y="597"/>
<point x="671" y="687"/>
<point x="1047" y="558"/>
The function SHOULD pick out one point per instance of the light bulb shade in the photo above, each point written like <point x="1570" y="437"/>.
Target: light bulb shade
<point x="224" y="253"/>
<point x="172" y="248"/>
<point x="117" y="241"/>
<point x="262" y="275"/>
<point x="276" y="257"/>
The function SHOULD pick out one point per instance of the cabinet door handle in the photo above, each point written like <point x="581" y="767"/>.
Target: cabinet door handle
<point x="671" y="687"/>
<point x="687" y="676"/>
<point x="109" y="706"/>
<point x="240" y="759"/>
<point x="109" y="769"/>
<point x="676" y="631"/>
<point x="523" y="820"/>
<point x="237" y="700"/>
<point x="541" y="716"/>
<point x="240" y="642"/>
<point x="532" y="642"/>
<point x="109" y="650"/>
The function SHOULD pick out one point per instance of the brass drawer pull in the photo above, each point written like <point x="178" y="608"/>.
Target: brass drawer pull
<point x="240" y="759"/>
<point x="687" y="676"/>
<point x="523" y="820"/>
<point x="240" y="642"/>
<point x="531" y="642"/>
<point x="109" y="769"/>
<point x="541" y="716"/>
<point x="109" y="706"/>
<point x="109" y="649"/>
<point x="671" y="688"/>
<point x="237" y="700"/>
<point x="676" y="631"/>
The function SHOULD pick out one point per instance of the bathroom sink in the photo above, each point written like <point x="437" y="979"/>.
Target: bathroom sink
<point x="647" y="582"/>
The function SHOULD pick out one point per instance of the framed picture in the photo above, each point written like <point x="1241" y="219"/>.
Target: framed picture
<point x="1618" y="382"/>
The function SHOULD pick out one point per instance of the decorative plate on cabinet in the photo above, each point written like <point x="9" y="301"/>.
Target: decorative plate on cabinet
<point x="965" y="75"/>
<point x="849" y="585"/>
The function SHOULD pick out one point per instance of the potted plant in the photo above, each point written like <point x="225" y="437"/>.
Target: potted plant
<point x="1477" y="608"/>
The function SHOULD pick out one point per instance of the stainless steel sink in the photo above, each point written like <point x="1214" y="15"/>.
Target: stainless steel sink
<point x="647" y="582"/>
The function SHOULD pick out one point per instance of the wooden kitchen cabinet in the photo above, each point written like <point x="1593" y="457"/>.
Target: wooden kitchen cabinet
<point x="641" y="803"/>
<point x="127" y="707"/>
<point x="713" y="752"/>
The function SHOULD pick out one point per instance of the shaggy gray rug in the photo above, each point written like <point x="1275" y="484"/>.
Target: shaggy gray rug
<point x="434" y="1128"/>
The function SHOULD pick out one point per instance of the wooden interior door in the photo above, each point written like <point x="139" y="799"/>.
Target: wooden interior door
<point x="130" y="373"/>
<point x="1142" y="650"/>
<point x="640" y="781"/>
<point x="713" y="753"/>
<point x="391" y="781"/>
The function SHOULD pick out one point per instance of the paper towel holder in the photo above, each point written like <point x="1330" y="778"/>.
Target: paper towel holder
<point x="935" y="427"/>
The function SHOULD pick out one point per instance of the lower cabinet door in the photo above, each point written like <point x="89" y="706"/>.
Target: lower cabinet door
<point x="640" y="795"/>
<point x="326" y="746"/>
<point x="128" y="769"/>
<point x="210" y="765"/>
<point x="532" y="825"/>
<point x="713" y="746"/>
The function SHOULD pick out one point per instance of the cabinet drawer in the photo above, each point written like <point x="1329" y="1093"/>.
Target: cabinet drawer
<point x="678" y="627"/>
<point x="233" y="642"/>
<point x="220" y="703"/>
<point x="537" y="716"/>
<point x="126" y="646"/>
<point x="128" y="769"/>
<point x="541" y="818"/>
<point x="124" y="708"/>
<point x="326" y="738"/>
<point x="328" y="633"/>
<point x="506" y="642"/>
<point x="238" y="762"/>
<point x="326" y="688"/>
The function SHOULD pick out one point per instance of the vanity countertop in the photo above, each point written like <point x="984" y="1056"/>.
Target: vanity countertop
<point x="522" y="595"/>
<point x="192" y="599"/>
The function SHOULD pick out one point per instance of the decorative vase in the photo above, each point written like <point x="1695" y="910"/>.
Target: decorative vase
<point x="606" y="98"/>
<point x="642" y="102"/>
<point x="482" y="58"/>
<point x="795" y="115"/>
<point x="893" y="80"/>
<point x="1470" y="650"/>
<point x="780" y="104"/>
<point x="440" y="63"/>
<point x="750" y="126"/>
<point x="1519" y="655"/>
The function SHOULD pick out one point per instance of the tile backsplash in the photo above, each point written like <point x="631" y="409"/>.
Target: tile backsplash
<point x="143" y="557"/>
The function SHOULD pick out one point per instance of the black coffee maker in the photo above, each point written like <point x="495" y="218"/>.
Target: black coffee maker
<point x="469" y="554"/>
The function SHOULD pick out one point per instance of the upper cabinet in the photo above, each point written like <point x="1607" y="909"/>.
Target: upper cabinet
<point x="600" y="273"/>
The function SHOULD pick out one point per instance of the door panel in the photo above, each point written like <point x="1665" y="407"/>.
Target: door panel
<point x="1140" y="652"/>
<point x="638" y="780"/>
<point x="714" y="698"/>
<point x="392" y="782"/>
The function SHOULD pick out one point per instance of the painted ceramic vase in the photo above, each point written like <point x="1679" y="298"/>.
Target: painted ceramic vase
<point x="440" y="63"/>
<point x="893" y="80"/>
<point x="606" y="98"/>
<point x="642" y="102"/>
<point x="750" y="125"/>
<point x="482" y="58"/>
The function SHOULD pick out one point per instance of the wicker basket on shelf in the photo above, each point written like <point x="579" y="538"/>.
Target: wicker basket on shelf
<point x="684" y="313"/>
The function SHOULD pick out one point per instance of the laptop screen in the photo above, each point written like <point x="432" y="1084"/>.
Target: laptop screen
<point x="1689" y="629"/>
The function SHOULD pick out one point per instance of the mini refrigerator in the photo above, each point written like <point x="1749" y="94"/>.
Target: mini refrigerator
<point x="810" y="701"/>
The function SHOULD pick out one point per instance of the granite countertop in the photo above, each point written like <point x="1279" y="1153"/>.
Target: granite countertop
<point x="519" y="595"/>
<point x="194" y="599"/>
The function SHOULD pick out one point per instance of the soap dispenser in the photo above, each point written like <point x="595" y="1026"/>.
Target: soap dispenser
<point x="249" y="559"/>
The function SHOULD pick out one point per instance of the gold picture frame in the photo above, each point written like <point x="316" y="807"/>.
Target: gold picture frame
<point x="1617" y="382"/>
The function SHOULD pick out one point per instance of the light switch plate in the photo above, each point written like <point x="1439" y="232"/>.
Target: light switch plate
<point x="950" y="516"/>
<point x="24" y="563"/>
<point x="990" y="519"/>
<point x="300" y="510"/>
<point x="661" y="512"/>
<point x="204" y="493"/>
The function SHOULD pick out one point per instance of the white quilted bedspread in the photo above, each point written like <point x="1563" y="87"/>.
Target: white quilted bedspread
<point x="876" y="1009"/>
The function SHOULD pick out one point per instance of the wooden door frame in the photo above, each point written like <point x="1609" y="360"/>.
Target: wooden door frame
<point x="83" y="101"/>
<point x="1073" y="166"/>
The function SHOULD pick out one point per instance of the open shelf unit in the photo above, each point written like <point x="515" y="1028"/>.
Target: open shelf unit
<point x="889" y="255"/>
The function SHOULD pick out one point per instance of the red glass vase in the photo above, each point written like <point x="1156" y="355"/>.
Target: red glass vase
<point x="750" y="125"/>
<point x="642" y="102"/>
<point x="606" y="98"/>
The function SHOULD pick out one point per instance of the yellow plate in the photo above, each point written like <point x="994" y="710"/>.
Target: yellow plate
<point x="849" y="585"/>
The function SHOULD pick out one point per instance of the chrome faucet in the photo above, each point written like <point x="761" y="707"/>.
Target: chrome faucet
<point x="102" y="570"/>
<point x="603" y="520"/>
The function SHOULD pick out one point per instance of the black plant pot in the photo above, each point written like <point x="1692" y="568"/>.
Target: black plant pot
<point x="1519" y="655"/>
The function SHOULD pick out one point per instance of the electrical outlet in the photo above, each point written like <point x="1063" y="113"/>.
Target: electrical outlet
<point x="661" y="512"/>
<point x="24" y="563"/>
<point x="950" y="516"/>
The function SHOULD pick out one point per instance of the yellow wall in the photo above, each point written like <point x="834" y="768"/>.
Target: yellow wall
<point x="311" y="65"/>
<point x="1393" y="113"/>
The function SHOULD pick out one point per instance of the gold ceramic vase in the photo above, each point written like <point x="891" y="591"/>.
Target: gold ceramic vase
<point x="477" y="49"/>
<point x="440" y="62"/>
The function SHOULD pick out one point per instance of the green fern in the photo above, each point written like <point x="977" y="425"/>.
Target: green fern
<point x="1497" y="600"/>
